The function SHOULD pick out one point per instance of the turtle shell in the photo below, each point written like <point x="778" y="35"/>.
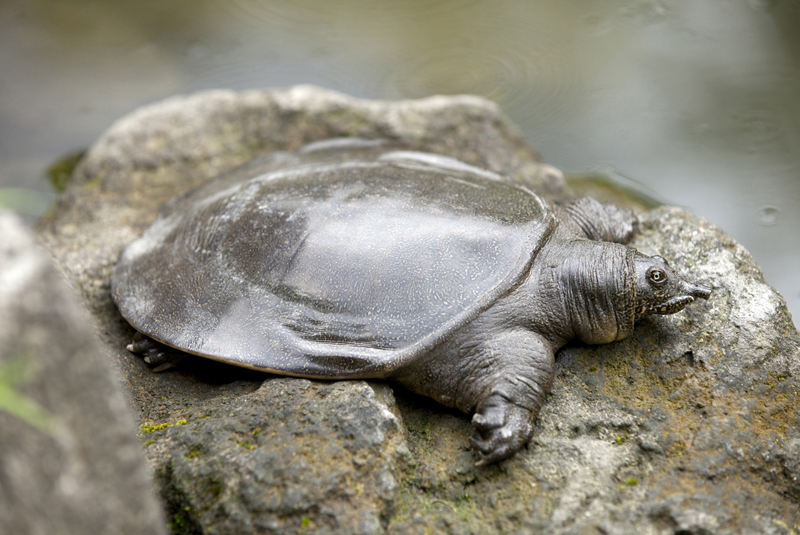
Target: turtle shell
<point x="324" y="266"/>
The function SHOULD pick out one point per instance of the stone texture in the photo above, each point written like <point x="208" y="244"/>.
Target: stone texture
<point x="688" y="427"/>
<point x="69" y="458"/>
<point x="295" y="454"/>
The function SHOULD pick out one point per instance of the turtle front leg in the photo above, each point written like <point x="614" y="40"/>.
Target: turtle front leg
<point x="601" y="221"/>
<point x="515" y="387"/>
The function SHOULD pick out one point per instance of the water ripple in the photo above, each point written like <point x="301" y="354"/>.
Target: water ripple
<point x="344" y="12"/>
<point x="539" y="78"/>
<point x="769" y="215"/>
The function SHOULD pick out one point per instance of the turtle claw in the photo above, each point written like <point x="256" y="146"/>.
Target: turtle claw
<point x="157" y="356"/>
<point x="490" y="451"/>
<point x="164" y="366"/>
<point x="501" y="428"/>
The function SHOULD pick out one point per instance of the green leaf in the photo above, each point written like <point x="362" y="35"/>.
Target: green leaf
<point x="14" y="373"/>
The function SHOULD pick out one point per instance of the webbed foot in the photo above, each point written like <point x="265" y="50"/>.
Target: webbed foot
<point x="501" y="428"/>
<point x="156" y="355"/>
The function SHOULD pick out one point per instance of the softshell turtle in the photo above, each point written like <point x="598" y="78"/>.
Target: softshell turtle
<point x="349" y="260"/>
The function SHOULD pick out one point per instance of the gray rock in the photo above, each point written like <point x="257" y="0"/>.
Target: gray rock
<point x="69" y="458"/>
<point x="690" y="426"/>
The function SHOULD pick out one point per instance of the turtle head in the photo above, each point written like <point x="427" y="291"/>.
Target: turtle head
<point x="659" y="288"/>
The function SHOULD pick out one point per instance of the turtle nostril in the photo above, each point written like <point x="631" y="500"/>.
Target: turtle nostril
<point x="699" y="291"/>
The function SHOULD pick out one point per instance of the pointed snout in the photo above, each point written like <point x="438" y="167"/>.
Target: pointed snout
<point x="696" y="290"/>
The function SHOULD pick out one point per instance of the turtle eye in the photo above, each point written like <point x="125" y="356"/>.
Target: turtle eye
<point x="656" y="276"/>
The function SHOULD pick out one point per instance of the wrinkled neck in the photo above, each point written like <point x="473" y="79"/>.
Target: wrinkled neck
<point x="597" y="287"/>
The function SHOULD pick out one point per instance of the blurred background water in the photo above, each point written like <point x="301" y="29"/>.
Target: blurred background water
<point x="696" y="103"/>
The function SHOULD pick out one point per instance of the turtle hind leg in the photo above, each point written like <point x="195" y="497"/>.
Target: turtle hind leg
<point x="602" y="221"/>
<point x="156" y="355"/>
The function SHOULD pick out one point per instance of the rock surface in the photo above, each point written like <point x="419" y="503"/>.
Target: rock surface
<point x="688" y="427"/>
<point x="69" y="458"/>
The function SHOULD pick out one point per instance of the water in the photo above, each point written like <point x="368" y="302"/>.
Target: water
<point x="696" y="101"/>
